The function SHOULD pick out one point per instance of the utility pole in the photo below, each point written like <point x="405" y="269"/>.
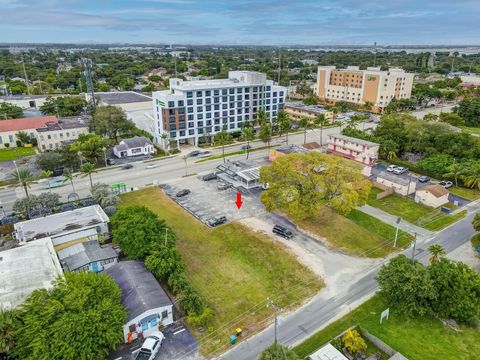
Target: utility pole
<point x="374" y="53"/>
<point x="25" y="75"/>
<point x="87" y="64"/>
<point x="279" y="65"/>
<point x="414" y="245"/>
<point x="399" y="219"/>
<point x="276" y="309"/>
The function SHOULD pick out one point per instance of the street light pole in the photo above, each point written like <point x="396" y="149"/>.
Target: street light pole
<point x="79" y="153"/>
<point x="277" y="309"/>
<point x="414" y="245"/>
<point x="18" y="172"/>
<point x="105" y="155"/>
<point x="399" y="219"/>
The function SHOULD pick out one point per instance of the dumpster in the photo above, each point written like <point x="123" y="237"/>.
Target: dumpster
<point x="233" y="339"/>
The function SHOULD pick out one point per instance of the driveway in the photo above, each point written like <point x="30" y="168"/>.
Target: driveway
<point x="177" y="344"/>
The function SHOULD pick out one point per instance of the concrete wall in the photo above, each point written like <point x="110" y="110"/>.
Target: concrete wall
<point x="381" y="345"/>
<point x="428" y="199"/>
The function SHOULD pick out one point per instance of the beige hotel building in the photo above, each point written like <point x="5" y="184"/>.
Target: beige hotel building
<point x="360" y="86"/>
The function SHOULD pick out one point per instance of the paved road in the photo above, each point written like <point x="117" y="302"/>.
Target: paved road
<point x="322" y="310"/>
<point x="167" y="170"/>
<point x="419" y="114"/>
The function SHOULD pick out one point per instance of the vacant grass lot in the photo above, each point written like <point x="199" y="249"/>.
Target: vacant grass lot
<point x="409" y="210"/>
<point x="358" y="234"/>
<point x="15" y="153"/>
<point x="469" y="194"/>
<point x="422" y="338"/>
<point x="234" y="270"/>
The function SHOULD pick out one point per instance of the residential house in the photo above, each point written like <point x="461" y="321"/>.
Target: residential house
<point x="432" y="195"/>
<point x="365" y="152"/>
<point x="67" y="129"/>
<point x="87" y="256"/>
<point x="27" y="268"/>
<point x="138" y="145"/>
<point x="66" y="228"/>
<point x="402" y="185"/>
<point x="146" y="302"/>
<point x="9" y="128"/>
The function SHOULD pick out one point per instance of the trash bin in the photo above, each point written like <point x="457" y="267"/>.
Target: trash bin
<point x="233" y="339"/>
<point x="238" y="332"/>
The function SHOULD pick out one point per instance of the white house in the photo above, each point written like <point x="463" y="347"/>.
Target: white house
<point x="327" y="352"/>
<point x="399" y="184"/>
<point x="146" y="302"/>
<point x="66" y="228"/>
<point x="365" y="152"/>
<point x="138" y="145"/>
<point x="432" y="195"/>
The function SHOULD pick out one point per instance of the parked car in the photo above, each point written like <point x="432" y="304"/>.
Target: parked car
<point x="58" y="171"/>
<point x="127" y="166"/>
<point x="151" y="166"/>
<point x="204" y="154"/>
<point x="390" y="168"/>
<point x="423" y="179"/>
<point x="151" y="346"/>
<point x="217" y="220"/>
<point x="400" y="170"/>
<point x="194" y="153"/>
<point x="446" y="184"/>
<point x="224" y="186"/>
<point x="111" y="162"/>
<point x="282" y="231"/>
<point x="209" y="177"/>
<point x="182" y="193"/>
<point x="246" y="147"/>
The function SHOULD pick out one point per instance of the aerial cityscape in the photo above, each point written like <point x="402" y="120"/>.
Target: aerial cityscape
<point x="248" y="180"/>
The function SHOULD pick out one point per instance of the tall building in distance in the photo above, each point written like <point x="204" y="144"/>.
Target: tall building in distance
<point x="191" y="110"/>
<point x="357" y="86"/>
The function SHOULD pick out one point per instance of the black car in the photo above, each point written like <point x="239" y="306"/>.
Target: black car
<point x="423" y="179"/>
<point x="246" y="147"/>
<point x="182" y="193"/>
<point x="127" y="166"/>
<point x="282" y="231"/>
<point x="217" y="220"/>
<point x="194" y="153"/>
<point x="58" y="171"/>
<point x="209" y="177"/>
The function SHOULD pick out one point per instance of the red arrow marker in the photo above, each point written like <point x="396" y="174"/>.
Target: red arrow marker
<point x="239" y="201"/>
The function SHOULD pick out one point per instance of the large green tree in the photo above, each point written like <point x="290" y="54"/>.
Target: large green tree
<point x="407" y="286"/>
<point x="90" y="146"/>
<point x="469" y="110"/>
<point x="278" y="352"/>
<point x="300" y="184"/>
<point x="64" y="106"/>
<point x="80" y="318"/>
<point x="24" y="177"/>
<point x="10" y="111"/>
<point x="110" y="121"/>
<point x="138" y="230"/>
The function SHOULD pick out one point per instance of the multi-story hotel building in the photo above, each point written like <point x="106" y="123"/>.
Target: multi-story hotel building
<point x="361" y="86"/>
<point x="193" y="109"/>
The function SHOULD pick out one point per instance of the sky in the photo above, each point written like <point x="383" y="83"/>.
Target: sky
<point x="242" y="22"/>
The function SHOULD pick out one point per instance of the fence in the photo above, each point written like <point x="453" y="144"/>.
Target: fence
<point x="381" y="345"/>
<point x="386" y="190"/>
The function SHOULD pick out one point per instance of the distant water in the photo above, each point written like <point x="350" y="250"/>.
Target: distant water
<point x="31" y="113"/>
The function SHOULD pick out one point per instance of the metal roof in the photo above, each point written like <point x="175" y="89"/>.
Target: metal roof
<point x="328" y="352"/>
<point x="134" y="142"/>
<point x="397" y="179"/>
<point x="353" y="140"/>
<point x="122" y="97"/>
<point x="250" y="174"/>
<point x="79" y="255"/>
<point x="140" y="290"/>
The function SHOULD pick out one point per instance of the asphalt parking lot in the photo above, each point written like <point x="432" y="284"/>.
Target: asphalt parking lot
<point x="178" y="344"/>
<point x="206" y="201"/>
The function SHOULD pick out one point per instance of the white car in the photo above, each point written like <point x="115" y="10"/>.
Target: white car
<point x="151" y="166"/>
<point x="151" y="346"/>
<point x="390" y="168"/>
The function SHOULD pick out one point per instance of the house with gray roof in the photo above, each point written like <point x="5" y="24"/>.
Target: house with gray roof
<point x="87" y="256"/>
<point x="135" y="146"/>
<point x="147" y="303"/>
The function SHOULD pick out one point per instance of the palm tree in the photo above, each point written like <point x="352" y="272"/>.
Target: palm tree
<point x="284" y="124"/>
<point x="262" y="117"/>
<point x="321" y="120"/>
<point x="304" y="123"/>
<point x="437" y="251"/>
<point x="69" y="177"/>
<point x="476" y="222"/>
<point x="88" y="169"/>
<point x="45" y="174"/>
<point x="248" y="134"/>
<point x="472" y="177"/>
<point x="222" y="138"/>
<point x="454" y="171"/>
<point x="24" y="177"/>
<point x="165" y="140"/>
<point x="8" y="325"/>
<point x="266" y="134"/>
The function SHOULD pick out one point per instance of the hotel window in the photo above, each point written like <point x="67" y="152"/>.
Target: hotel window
<point x="199" y="94"/>
<point x="171" y="111"/>
<point x="239" y="90"/>
<point x="231" y="91"/>
<point x="200" y="123"/>
<point x="216" y="100"/>
<point x="209" y="115"/>
<point x="199" y="102"/>
<point x="199" y="109"/>
<point x="208" y="93"/>
<point x="191" y="132"/>
<point x="171" y="104"/>
<point x="181" y="110"/>
<point x="190" y="102"/>
<point x="216" y="92"/>
<point x="190" y="110"/>
<point x="224" y="98"/>
<point x="182" y="133"/>
<point x="172" y="119"/>
<point x="189" y="94"/>
<point x="224" y="106"/>
<point x="180" y="102"/>
<point x="208" y="101"/>
<point x="208" y="108"/>
<point x="224" y="91"/>
<point x="190" y="117"/>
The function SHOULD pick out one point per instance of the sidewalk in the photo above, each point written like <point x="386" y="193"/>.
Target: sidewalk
<point x="392" y="220"/>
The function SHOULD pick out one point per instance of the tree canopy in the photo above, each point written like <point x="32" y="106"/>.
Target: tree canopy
<point x="110" y="121"/>
<point x="300" y="184"/>
<point x="10" y="111"/>
<point x="278" y="352"/>
<point x="64" y="106"/>
<point x="80" y="318"/>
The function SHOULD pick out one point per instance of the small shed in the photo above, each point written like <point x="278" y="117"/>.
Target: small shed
<point x="432" y="195"/>
<point x="146" y="302"/>
<point x="327" y="352"/>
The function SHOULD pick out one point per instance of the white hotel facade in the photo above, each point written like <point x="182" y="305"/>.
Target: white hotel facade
<point x="193" y="109"/>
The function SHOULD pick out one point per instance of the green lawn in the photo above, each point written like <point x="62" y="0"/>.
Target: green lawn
<point x="227" y="154"/>
<point x="15" y="153"/>
<point x="469" y="194"/>
<point x="422" y="338"/>
<point x="472" y="130"/>
<point x="233" y="269"/>
<point x="358" y="234"/>
<point x="409" y="210"/>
